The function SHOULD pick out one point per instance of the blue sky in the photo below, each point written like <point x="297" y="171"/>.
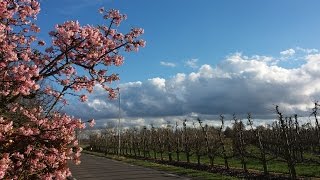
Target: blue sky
<point x="178" y="30"/>
<point x="206" y="57"/>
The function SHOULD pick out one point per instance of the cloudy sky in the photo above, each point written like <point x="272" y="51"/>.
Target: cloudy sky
<point x="204" y="58"/>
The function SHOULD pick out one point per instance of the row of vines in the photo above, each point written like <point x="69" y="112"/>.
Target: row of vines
<point x="287" y="140"/>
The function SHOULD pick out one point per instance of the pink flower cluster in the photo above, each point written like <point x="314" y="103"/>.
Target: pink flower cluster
<point x="91" y="122"/>
<point x="114" y="15"/>
<point x="90" y="48"/>
<point x="43" y="145"/>
<point x="37" y="142"/>
<point x="73" y="47"/>
<point x="16" y="32"/>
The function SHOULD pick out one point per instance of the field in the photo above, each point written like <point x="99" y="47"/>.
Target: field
<point x="275" y="167"/>
<point x="285" y="149"/>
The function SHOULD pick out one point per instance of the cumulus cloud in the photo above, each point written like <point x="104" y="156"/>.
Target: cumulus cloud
<point x="169" y="64"/>
<point x="239" y="84"/>
<point x="192" y="63"/>
<point x="288" y="52"/>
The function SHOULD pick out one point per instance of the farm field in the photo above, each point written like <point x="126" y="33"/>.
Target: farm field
<point x="284" y="149"/>
<point x="274" y="166"/>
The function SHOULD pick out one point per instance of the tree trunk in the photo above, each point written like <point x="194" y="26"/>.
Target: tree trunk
<point x="287" y="150"/>
<point x="188" y="157"/>
<point x="211" y="160"/>
<point x="170" y="156"/>
<point x="154" y="154"/>
<point x="265" y="167"/>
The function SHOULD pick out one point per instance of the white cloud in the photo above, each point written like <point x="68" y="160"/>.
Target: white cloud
<point x="169" y="64"/>
<point x="239" y="84"/>
<point x="159" y="83"/>
<point x="288" y="52"/>
<point x="192" y="63"/>
<point x="306" y="50"/>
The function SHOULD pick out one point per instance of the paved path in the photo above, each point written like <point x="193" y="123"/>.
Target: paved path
<point x="100" y="168"/>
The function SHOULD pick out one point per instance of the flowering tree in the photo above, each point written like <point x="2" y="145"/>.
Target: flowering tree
<point x="36" y="142"/>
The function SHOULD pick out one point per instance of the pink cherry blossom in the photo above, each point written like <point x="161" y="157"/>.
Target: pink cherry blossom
<point x="37" y="142"/>
<point x="5" y="163"/>
<point x="83" y="98"/>
<point x="91" y="122"/>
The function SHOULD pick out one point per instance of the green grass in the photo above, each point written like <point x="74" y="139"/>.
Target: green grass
<point x="275" y="166"/>
<point x="168" y="168"/>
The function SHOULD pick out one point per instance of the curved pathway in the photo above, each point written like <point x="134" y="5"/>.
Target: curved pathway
<point x="100" y="168"/>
